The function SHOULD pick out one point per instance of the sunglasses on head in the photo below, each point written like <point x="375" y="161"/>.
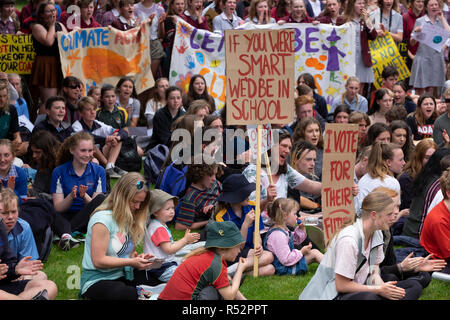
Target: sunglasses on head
<point x="140" y="185"/>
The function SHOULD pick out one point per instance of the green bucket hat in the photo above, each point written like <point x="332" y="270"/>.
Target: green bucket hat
<point x="158" y="198"/>
<point x="223" y="235"/>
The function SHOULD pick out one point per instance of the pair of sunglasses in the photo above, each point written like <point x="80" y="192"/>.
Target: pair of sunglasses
<point x="140" y="185"/>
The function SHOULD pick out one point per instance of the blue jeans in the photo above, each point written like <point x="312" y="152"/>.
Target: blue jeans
<point x="413" y="245"/>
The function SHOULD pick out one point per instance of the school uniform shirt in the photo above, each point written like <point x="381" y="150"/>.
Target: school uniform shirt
<point x="21" y="241"/>
<point x="393" y="22"/>
<point x="222" y="23"/>
<point x="227" y="214"/>
<point x="420" y="132"/>
<point x="193" y="21"/>
<point x="194" y="274"/>
<point x="99" y="130"/>
<point x="435" y="236"/>
<point x="63" y="131"/>
<point x="20" y="187"/>
<point x="359" y="103"/>
<point x="135" y="107"/>
<point x="193" y="203"/>
<point x="64" y="178"/>
<point x="117" y="118"/>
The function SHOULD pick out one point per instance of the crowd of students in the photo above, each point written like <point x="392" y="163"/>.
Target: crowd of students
<point x="62" y="146"/>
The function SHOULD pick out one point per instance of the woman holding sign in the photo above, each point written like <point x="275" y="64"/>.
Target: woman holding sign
<point x="428" y="69"/>
<point x="356" y="13"/>
<point x="284" y="177"/>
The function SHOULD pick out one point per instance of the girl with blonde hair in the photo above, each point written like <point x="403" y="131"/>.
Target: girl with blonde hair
<point x="111" y="267"/>
<point x="350" y="267"/>
<point x="280" y="240"/>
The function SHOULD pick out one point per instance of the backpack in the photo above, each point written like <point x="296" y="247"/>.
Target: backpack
<point x="172" y="180"/>
<point x="40" y="214"/>
<point x="154" y="160"/>
<point x="129" y="159"/>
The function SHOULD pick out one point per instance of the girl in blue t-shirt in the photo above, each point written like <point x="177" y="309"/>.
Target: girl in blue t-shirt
<point x="234" y="205"/>
<point x="77" y="186"/>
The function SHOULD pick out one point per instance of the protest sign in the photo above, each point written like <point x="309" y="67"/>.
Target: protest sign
<point x="266" y="139"/>
<point x="325" y="51"/>
<point x="341" y="142"/>
<point x="260" y="76"/>
<point x="16" y="53"/>
<point x="384" y="52"/>
<point x="433" y="36"/>
<point x="104" y="55"/>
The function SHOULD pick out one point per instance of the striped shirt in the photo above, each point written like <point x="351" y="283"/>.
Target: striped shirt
<point x="193" y="203"/>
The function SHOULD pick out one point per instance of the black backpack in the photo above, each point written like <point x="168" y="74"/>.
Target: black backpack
<point x="129" y="159"/>
<point x="40" y="214"/>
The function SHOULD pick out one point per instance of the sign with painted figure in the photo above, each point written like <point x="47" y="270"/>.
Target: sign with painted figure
<point x="433" y="36"/>
<point x="260" y="76"/>
<point x="325" y="51"/>
<point x="16" y="53"/>
<point x="104" y="55"/>
<point x="340" y="145"/>
<point x="384" y="51"/>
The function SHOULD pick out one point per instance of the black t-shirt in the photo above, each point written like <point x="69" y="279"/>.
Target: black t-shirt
<point x="420" y="132"/>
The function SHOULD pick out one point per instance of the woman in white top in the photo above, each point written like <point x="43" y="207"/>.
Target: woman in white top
<point x="385" y="159"/>
<point x="387" y="19"/>
<point x="228" y="18"/>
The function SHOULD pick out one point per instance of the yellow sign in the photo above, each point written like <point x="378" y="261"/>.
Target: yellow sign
<point x="16" y="53"/>
<point x="384" y="52"/>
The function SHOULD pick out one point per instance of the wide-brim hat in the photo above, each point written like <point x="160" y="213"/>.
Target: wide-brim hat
<point x="158" y="198"/>
<point x="223" y="235"/>
<point x="236" y="188"/>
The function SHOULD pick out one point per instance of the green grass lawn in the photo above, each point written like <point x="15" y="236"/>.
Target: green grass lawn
<point x="64" y="268"/>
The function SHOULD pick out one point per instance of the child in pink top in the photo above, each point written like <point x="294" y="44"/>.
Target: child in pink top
<point x="280" y="240"/>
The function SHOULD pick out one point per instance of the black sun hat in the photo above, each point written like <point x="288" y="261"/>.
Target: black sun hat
<point x="235" y="189"/>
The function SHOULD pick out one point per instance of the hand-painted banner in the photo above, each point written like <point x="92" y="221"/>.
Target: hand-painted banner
<point x="384" y="52"/>
<point x="341" y="142"/>
<point x="16" y="53"/>
<point x="325" y="51"/>
<point x="260" y="76"/>
<point x="104" y="55"/>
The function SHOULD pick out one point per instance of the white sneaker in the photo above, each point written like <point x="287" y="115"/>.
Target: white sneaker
<point x="112" y="173"/>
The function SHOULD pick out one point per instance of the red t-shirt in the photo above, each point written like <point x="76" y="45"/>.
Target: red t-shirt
<point x="435" y="236"/>
<point x="195" y="274"/>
